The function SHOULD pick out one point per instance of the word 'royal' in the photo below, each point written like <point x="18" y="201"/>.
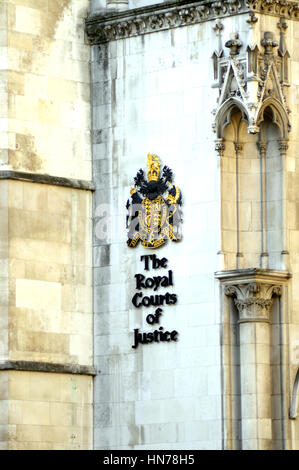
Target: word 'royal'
<point x="153" y="282"/>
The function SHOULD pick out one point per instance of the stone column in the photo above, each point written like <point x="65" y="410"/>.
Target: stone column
<point x="285" y="255"/>
<point x="262" y="147"/>
<point x="253" y="301"/>
<point x="220" y="148"/>
<point x="239" y="255"/>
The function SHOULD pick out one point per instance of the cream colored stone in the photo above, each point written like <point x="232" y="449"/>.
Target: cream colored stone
<point x="35" y="86"/>
<point x="59" y="200"/>
<point x="43" y="387"/>
<point x="3" y="413"/>
<point x="4" y="335"/>
<point x="27" y="20"/>
<point x="35" y="37"/>
<point x="81" y="346"/>
<point x="27" y="433"/>
<point x="38" y="295"/>
<point x="262" y="334"/>
<point x="24" y="108"/>
<point x="3" y="385"/>
<point x="15" y="82"/>
<point x="15" y="411"/>
<point x="264" y="408"/>
<point x="63" y="414"/>
<point x="39" y="225"/>
<point x="76" y="389"/>
<point x="40" y="250"/>
<point x="41" y="68"/>
<point x="41" y="342"/>
<point x="61" y="434"/>
<point x="50" y="272"/>
<point x="38" y="413"/>
<point x="20" y="41"/>
<point x="265" y="429"/>
<point x="62" y="90"/>
<point x="250" y="242"/>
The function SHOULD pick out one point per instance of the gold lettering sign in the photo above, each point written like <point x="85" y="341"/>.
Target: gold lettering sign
<point x="154" y="209"/>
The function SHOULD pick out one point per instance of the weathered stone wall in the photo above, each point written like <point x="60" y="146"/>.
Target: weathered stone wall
<point x="48" y="87"/>
<point x="149" y="95"/>
<point x="45" y="411"/>
<point x="153" y="93"/>
<point x="291" y="334"/>
<point x="46" y="275"/>
<point x="285" y="360"/>
<point x="50" y="273"/>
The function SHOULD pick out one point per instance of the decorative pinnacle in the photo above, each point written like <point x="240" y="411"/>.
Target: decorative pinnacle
<point x="252" y="20"/>
<point x="282" y="25"/>
<point x="234" y="44"/>
<point x="268" y="42"/>
<point x="218" y="27"/>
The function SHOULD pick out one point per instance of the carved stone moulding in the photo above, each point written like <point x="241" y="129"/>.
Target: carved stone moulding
<point x="252" y="291"/>
<point x="253" y="300"/>
<point x="285" y="8"/>
<point x="253" y="78"/>
<point x="110" y="25"/>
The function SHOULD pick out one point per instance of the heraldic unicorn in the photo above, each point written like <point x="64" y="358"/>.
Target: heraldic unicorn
<point x="154" y="209"/>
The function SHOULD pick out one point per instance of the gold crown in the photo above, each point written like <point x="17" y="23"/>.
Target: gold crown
<point x="153" y="164"/>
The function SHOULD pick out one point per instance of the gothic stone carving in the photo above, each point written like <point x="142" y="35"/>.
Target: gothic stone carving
<point x="253" y="300"/>
<point x="252" y="79"/>
<point x="104" y="28"/>
<point x="277" y="7"/>
<point x="109" y="26"/>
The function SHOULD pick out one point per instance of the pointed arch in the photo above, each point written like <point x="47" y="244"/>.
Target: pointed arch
<point x="279" y="116"/>
<point x="224" y="114"/>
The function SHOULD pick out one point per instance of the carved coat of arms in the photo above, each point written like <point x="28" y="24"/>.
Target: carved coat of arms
<point x="154" y="209"/>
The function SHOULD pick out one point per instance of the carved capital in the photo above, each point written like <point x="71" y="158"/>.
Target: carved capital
<point x="253" y="300"/>
<point x="283" y="146"/>
<point x="262" y="146"/>
<point x="219" y="147"/>
<point x="238" y="147"/>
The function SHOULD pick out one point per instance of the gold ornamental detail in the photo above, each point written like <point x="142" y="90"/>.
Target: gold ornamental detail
<point x="154" y="209"/>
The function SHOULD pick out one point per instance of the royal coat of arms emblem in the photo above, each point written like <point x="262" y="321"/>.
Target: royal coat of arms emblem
<point x="154" y="209"/>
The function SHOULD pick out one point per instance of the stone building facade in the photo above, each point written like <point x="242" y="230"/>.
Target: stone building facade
<point x="46" y="365"/>
<point x="187" y="345"/>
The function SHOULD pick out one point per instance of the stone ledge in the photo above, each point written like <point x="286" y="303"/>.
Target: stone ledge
<point x="237" y="275"/>
<point x="46" y="179"/>
<point x="109" y="26"/>
<point x="32" y="366"/>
